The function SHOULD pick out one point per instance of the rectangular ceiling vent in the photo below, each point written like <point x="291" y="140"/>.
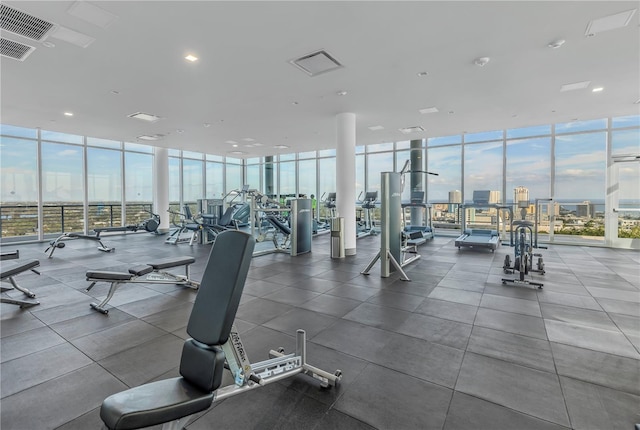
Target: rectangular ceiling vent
<point x="316" y="63"/>
<point x="15" y="50"/>
<point x="409" y="130"/>
<point x="23" y="24"/>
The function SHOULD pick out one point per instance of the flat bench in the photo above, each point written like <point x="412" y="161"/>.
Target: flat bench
<point x="151" y="273"/>
<point x="9" y="270"/>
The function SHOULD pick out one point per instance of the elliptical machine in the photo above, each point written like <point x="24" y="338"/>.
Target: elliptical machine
<point x="523" y="245"/>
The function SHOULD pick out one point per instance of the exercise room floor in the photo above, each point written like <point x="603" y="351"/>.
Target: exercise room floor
<point x="452" y="349"/>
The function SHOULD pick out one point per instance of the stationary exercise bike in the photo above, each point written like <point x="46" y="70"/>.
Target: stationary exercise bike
<point x="524" y="254"/>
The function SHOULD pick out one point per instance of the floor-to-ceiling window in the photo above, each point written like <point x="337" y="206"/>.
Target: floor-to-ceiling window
<point x="214" y="172"/>
<point x="580" y="159"/>
<point x="192" y="179"/>
<point x="19" y="182"/>
<point x="62" y="183"/>
<point x="138" y="180"/>
<point x="444" y="186"/>
<point x="104" y="183"/>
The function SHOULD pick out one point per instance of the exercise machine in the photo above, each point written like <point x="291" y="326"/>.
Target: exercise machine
<point x="149" y="225"/>
<point x="214" y="345"/>
<point x="9" y="270"/>
<point x="481" y="237"/>
<point x="420" y="230"/>
<point x="525" y="231"/>
<point x="393" y="255"/>
<point x="366" y="223"/>
<point x="186" y="222"/>
<point x="151" y="273"/>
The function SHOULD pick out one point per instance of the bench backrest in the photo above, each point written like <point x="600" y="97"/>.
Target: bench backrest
<point x="216" y="304"/>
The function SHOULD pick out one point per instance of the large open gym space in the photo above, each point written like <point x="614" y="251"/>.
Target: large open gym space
<point x="367" y="215"/>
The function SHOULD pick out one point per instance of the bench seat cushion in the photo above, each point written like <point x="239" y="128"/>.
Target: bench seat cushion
<point x="11" y="269"/>
<point x="167" y="263"/>
<point x="109" y="276"/>
<point x="140" y="270"/>
<point x="155" y="403"/>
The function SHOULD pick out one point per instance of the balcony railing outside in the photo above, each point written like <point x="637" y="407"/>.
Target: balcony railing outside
<point x="21" y="221"/>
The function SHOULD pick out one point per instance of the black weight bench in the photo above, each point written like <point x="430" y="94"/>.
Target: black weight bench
<point x="151" y="273"/>
<point x="214" y="345"/>
<point x="9" y="270"/>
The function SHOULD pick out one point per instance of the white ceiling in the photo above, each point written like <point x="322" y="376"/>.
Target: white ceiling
<point x="244" y="86"/>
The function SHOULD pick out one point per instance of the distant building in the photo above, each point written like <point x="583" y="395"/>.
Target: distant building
<point x="494" y="197"/>
<point x="455" y="198"/>
<point x="585" y="209"/>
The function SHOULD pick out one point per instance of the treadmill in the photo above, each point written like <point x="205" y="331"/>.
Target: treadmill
<point x="419" y="231"/>
<point x="479" y="237"/>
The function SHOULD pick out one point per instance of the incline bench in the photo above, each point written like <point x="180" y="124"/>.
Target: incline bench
<point x="8" y="271"/>
<point x="151" y="273"/>
<point x="214" y="345"/>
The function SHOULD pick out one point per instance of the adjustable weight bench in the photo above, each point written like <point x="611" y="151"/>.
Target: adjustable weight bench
<point x="8" y="271"/>
<point x="214" y="345"/>
<point x="151" y="273"/>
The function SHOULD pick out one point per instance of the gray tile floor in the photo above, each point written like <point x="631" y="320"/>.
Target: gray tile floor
<point x="452" y="349"/>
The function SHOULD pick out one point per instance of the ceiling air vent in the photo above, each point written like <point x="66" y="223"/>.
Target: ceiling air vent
<point x="15" y="50"/>
<point x="316" y="63"/>
<point x="23" y="24"/>
<point x="409" y="130"/>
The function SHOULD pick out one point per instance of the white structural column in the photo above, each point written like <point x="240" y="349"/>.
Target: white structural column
<point x="161" y="187"/>
<point x="346" y="177"/>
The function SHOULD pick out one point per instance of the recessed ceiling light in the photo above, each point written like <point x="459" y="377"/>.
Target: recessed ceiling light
<point x="248" y="145"/>
<point x="248" y="139"/>
<point x="556" y="44"/>
<point x="191" y="58"/>
<point x="237" y="152"/>
<point x="257" y="144"/>
<point x="280" y="146"/>
<point x="231" y="141"/>
<point x="144" y="116"/>
<point x="610" y="22"/>
<point x="48" y="44"/>
<point x="68" y="114"/>
<point x="376" y="127"/>
<point x="422" y="74"/>
<point x="235" y="145"/>
<point x="575" y="86"/>
<point x="341" y="93"/>
<point x="597" y="89"/>
<point x="429" y="110"/>
<point x="206" y="125"/>
<point x="482" y="61"/>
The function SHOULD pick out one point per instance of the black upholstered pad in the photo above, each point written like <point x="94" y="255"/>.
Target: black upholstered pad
<point x="279" y="224"/>
<point x="155" y="403"/>
<point x="222" y="283"/>
<point x="167" y="263"/>
<point x="10" y="269"/>
<point x="143" y="269"/>
<point x="109" y="276"/>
